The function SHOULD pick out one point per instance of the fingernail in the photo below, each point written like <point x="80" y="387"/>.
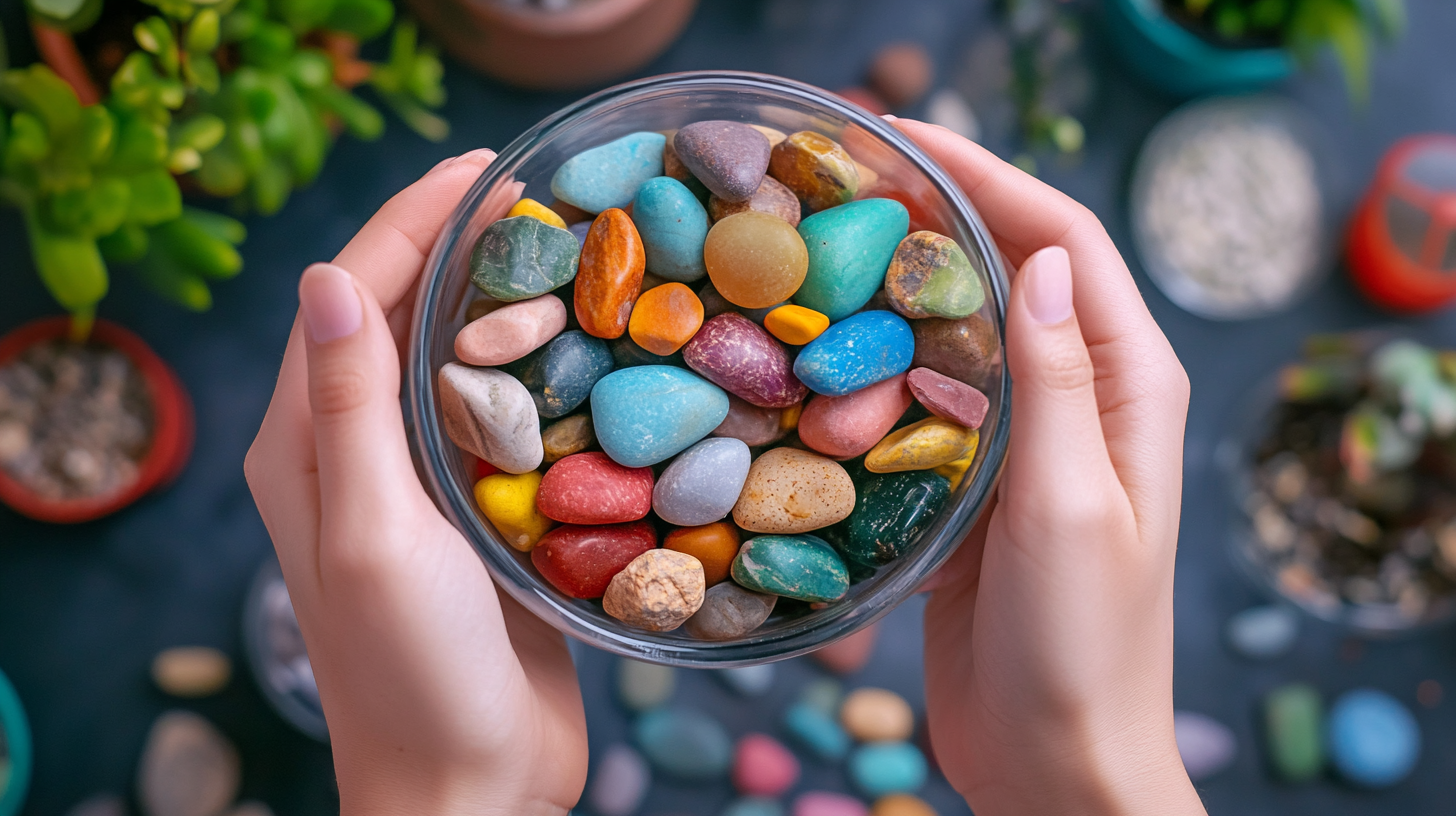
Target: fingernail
<point x="480" y="152"/>
<point x="331" y="307"/>
<point x="889" y="117"/>
<point x="1049" y="285"/>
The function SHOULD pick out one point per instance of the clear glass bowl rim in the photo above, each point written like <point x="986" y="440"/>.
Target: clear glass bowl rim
<point x="459" y="508"/>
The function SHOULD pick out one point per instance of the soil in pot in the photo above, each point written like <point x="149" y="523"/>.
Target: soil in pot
<point x="76" y="420"/>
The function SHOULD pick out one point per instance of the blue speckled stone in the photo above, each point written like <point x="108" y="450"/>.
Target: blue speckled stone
<point x="645" y="414"/>
<point x="882" y="768"/>
<point x="608" y="175"/>
<point x="1373" y="740"/>
<point x="802" y="566"/>
<point x="850" y="247"/>
<point x="753" y="806"/>
<point x="560" y="375"/>
<point x="685" y="743"/>
<point x="817" y="731"/>
<point x="702" y="484"/>
<point x="857" y="351"/>
<point x="673" y="226"/>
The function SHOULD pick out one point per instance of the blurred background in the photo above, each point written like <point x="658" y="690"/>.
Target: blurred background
<point x="1273" y="171"/>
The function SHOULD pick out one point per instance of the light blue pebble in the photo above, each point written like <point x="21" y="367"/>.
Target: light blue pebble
<point x="608" y="175"/>
<point x="850" y="247"/>
<point x="749" y="681"/>
<point x="673" y="226"/>
<point x="754" y="806"/>
<point x="1373" y="740"/>
<point x="824" y="694"/>
<point x="857" y="351"/>
<point x="880" y="768"/>
<point x="685" y="743"/>
<point x="817" y="731"/>
<point x="702" y="485"/>
<point x="1263" y="632"/>
<point x="645" y="414"/>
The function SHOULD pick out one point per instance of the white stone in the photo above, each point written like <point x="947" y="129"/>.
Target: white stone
<point x="1263" y="632"/>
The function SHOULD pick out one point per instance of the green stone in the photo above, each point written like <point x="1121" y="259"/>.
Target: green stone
<point x="522" y="257"/>
<point x="1293" y="726"/>
<point x="930" y="276"/>
<point x="890" y="513"/>
<point x="804" y="567"/>
<point x="850" y="247"/>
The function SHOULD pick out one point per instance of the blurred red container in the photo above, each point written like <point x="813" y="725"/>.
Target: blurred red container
<point x="1402" y="242"/>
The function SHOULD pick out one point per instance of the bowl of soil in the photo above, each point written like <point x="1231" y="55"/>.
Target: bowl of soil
<point x="14" y="750"/>
<point x="86" y="428"/>
<point x="1186" y="57"/>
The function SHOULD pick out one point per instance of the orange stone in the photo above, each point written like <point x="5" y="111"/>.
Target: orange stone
<point x="665" y="318"/>
<point x="715" y="545"/>
<point x="755" y="260"/>
<point x="816" y="168"/>
<point x="609" y="275"/>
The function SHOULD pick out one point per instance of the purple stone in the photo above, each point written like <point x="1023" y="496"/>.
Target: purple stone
<point x="737" y="355"/>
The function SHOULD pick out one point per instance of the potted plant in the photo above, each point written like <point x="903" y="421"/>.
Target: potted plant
<point x="15" y="756"/>
<point x="1190" y="47"/>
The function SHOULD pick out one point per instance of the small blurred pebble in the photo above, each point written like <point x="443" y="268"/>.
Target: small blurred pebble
<point x="1263" y="632"/>
<point x="902" y="804"/>
<point x="684" y="743"/>
<point x="1206" y="745"/>
<point x="188" y="768"/>
<point x="749" y="681"/>
<point x="825" y="803"/>
<point x="881" y="768"/>
<point x="191" y="671"/>
<point x="762" y="766"/>
<point x="824" y="694"/>
<point x="875" y="715"/>
<point x="951" y="111"/>
<point x="1429" y="693"/>
<point x="817" y="731"/>
<point x="620" y="782"/>
<point x="1293" y="730"/>
<point x="753" y="806"/>
<point x="1372" y="738"/>
<point x="642" y="686"/>
<point x="102" y="804"/>
<point x="866" y="99"/>
<point x="251" y="808"/>
<point x="901" y="73"/>
<point x="850" y="654"/>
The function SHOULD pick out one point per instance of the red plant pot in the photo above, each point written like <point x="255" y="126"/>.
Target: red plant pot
<point x="1402" y="241"/>
<point x="173" y="427"/>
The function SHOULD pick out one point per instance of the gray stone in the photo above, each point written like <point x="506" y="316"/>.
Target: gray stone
<point x="729" y="611"/>
<point x="749" y="681"/>
<point x="490" y="414"/>
<point x="702" y="484"/>
<point x="1263" y="632"/>
<point x="1206" y="745"/>
<point x="619" y="783"/>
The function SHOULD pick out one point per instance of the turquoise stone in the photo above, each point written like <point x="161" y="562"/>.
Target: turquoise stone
<point x="860" y="350"/>
<point x="673" y="226"/>
<point x="805" y="567"/>
<point x="850" y="247"/>
<point x="890" y="512"/>
<point x="522" y="257"/>
<point x="753" y="806"/>
<point x="645" y="414"/>
<point x="560" y="374"/>
<point x="684" y="743"/>
<point x="881" y="768"/>
<point x="608" y="175"/>
<point x="817" y="730"/>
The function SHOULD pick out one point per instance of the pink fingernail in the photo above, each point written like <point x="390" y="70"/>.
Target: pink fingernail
<point x="331" y="307"/>
<point x="1048" y="285"/>
<point x="471" y="156"/>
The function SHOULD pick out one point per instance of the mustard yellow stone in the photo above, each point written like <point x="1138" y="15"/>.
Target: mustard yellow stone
<point x="509" y="502"/>
<point x="795" y="325"/>
<point x="538" y="211"/>
<point x="789" y="418"/>
<point x="927" y="444"/>
<point x="956" y="471"/>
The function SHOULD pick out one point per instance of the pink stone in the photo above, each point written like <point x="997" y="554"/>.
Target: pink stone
<point x="762" y="766"/>
<point x="589" y="488"/>
<point x="948" y="398"/>
<point x="844" y="427"/>
<point x="751" y="424"/>
<point x="824" y="803"/>
<point x="511" y="332"/>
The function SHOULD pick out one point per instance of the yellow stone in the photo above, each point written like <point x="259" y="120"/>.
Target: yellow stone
<point x="956" y="471"/>
<point x="509" y="501"/>
<point x="927" y="444"/>
<point x="789" y="418"/>
<point x="795" y="325"/>
<point x="538" y="211"/>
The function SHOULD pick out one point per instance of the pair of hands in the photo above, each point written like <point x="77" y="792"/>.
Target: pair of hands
<point x="1049" y="635"/>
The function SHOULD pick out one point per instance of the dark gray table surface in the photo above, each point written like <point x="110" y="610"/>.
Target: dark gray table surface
<point x="84" y="608"/>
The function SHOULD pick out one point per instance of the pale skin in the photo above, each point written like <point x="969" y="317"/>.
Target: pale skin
<point x="1049" y="636"/>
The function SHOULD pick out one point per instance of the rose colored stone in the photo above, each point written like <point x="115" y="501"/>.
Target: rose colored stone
<point x="772" y="198"/>
<point x="511" y="332"/>
<point x="751" y="424"/>
<point x="728" y="157"/>
<point x="737" y="354"/>
<point x="844" y="427"/>
<point x="948" y="398"/>
<point x="610" y="275"/>
<point x="582" y="561"/>
<point x="762" y="766"/>
<point x="850" y="654"/>
<point x="824" y="803"/>
<point x="589" y="488"/>
<point x="901" y="73"/>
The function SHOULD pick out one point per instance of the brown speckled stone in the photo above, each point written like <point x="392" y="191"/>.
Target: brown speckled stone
<point x="658" y="591"/>
<point x="730" y="158"/>
<point x="793" y="491"/>
<point x="772" y="198"/>
<point x="966" y="349"/>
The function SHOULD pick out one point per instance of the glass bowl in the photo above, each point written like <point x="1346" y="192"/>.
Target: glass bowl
<point x="524" y="168"/>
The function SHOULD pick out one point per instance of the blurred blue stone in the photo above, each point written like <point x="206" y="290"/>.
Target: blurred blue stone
<point x="1373" y="740"/>
<point x="881" y="768"/>
<point x="685" y="743"/>
<point x="817" y="731"/>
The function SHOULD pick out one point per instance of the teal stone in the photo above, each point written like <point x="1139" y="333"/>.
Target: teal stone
<point x="850" y="247"/>
<point x="645" y="414"/>
<point x="804" y="567"/>
<point x="608" y="175"/>
<point x="522" y="257"/>
<point x="817" y="730"/>
<point x="753" y="806"/>
<point x="560" y="375"/>
<point x="890" y="512"/>
<point x="860" y="350"/>
<point x="684" y="743"/>
<point x="882" y="768"/>
<point x="673" y="226"/>
<point x="627" y="354"/>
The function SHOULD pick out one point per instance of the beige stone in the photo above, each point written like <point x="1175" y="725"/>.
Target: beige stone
<point x="658" y="590"/>
<point x="191" y="671"/>
<point x="793" y="491"/>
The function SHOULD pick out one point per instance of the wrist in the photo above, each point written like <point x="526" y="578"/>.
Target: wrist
<point x="423" y="788"/>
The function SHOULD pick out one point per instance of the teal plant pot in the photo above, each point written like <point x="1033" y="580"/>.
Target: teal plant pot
<point x="17" y="750"/>
<point x="1170" y="57"/>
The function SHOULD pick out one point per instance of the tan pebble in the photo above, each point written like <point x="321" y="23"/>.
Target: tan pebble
<point x="876" y="715"/>
<point x="191" y="671"/>
<point x="793" y="491"/>
<point x="188" y="768"/>
<point x="658" y="590"/>
<point x="568" y="436"/>
<point x="902" y="804"/>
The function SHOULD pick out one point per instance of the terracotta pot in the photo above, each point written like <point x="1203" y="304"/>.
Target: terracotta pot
<point x="173" y="427"/>
<point x="592" y="42"/>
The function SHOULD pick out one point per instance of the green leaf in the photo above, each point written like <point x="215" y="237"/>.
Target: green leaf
<point x="28" y="141"/>
<point x="155" y="198"/>
<point x="167" y="278"/>
<point x="239" y="25"/>
<point x="204" y="31"/>
<point x="154" y="35"/>
<point x="126" y="245"/>
<point x="310" y="69"/>
<point x="92" y="211"/>
<point x="269" y="47"/>
<point x="420" y="120"/>
<point x="247" y="139"/>
<point x="197" y="250"/>
<point x="358" y="116"/>
<point x="200" y="70"/>
<point x="70" y="266"/>
<point x="303" y="15"/>
<point x="201" y="132"/>
<point x="69" y="16"/>
<point x="365" y="19"/>
<point x="222" y="174"/>
<point x="217" y="225"/>
<point x="183" y="160"/>
<point x="38" y="90"/>
<point x="98" y="133"/>
<point x="141" y="144"/>
<point x="271" y="186"/>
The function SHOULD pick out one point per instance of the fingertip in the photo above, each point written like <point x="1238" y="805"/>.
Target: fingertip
<point x="1046" y="284"/>
<point x="329" y="302"/>
<point x="480" y="157"/>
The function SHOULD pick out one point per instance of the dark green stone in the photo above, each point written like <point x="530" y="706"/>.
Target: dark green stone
<point x="560" y="374"/>
<point x="838" y="536"/>
<point x="522" y="257"/>
<point x="890" y="513"/>
<point x="804" y="567"/>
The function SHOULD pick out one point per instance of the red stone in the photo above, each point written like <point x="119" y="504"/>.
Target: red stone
<point x="589" y="488"/>
<point x="484" y="469"/>
<point x="581" y="561"/>
<point x="762" y="766"/>
<point x="948" y="398"/>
